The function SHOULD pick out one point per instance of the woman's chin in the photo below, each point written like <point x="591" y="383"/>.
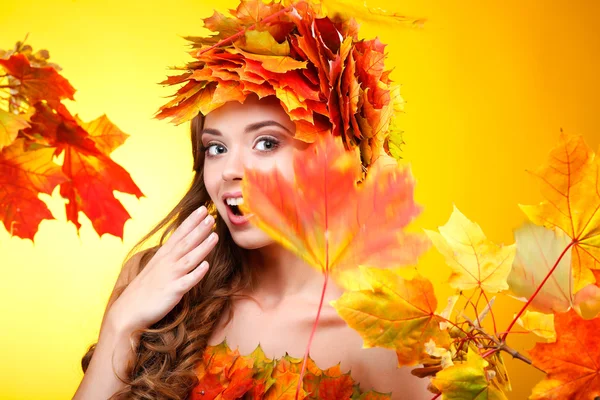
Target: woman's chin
<point x="250" y="239"/>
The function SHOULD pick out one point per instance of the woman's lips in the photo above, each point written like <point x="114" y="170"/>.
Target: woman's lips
<point x="236" y="219"/>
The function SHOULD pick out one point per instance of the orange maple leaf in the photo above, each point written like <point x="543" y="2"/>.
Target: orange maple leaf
<point x="10" y="125"/>
<point x="331" y="221"/>
<point x="570" y="182"/>
<point x="572" y="363"/>
<point x="24" y="174"/>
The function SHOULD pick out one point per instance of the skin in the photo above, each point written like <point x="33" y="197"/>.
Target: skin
<point x="282" y="305"/>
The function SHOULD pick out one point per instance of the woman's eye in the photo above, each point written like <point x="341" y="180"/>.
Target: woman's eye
<point x="266" y="144"/>
<point x="215" y="149"/>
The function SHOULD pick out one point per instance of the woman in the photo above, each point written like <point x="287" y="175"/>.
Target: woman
<point x="214" y="276"/>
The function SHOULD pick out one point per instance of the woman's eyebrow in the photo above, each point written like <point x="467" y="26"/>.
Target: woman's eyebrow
<point x="250" y="128"/>
<point x="257" y="125"/>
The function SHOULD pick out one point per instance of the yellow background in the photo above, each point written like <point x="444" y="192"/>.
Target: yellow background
<point x="488" y="86"/>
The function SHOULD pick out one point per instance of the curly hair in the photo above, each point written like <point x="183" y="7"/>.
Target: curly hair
<point x="168" y="351"/>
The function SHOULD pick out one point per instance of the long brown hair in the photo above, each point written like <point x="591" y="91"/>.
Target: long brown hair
<point x="170" y="349"/>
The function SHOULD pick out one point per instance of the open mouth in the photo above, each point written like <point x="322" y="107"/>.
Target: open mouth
<point x="233" y="203"/>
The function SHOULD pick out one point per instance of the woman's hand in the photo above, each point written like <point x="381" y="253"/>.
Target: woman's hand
<point x="175" y="268"/>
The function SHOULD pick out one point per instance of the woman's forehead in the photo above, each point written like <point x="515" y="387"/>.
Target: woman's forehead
<point x="250" y="113"/>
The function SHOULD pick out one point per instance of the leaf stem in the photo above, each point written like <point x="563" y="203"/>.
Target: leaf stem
<point x="312" y="334"/>
<point x="491" y="312"/>
<point x="514" y="321"/>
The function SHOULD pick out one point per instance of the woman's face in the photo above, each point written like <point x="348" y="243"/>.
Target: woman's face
<point x="257" y="134"/>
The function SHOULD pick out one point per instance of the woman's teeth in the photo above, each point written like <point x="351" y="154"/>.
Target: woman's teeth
<point x="234" y="201"/>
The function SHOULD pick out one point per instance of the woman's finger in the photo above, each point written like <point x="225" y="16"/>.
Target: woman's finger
<point x="184" y="229"/>
<point x="192" y="239"/>
<point x="199" y="253"/>
<point x="188" y="281"/>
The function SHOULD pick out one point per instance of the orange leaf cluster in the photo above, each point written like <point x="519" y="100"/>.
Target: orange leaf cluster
<point x="35" y="128"/>
<point x="225" y="374"/>
<point x="324" y="76"/>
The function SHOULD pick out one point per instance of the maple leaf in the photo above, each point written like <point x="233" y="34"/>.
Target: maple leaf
<point x="475" y="260"/>
<point x="397" y="314"/>
<point x="370" y="14"/>
<point x="538" y="250"/>
<point x="225" y="374"/>
<point x="570" y="182"/>
<point x="588" y="299"/>
<point x="284" y="387"/>
<point x="93" y="175"/>
<point x="329" y="220"/>
<point x="24" y="174"/>
<point x="539" y="323"/>
<point x="37" y="83"/>
<point x="572" y="362"/>
<point x="10" y="125"/>
<point x="262" y="42"/>
<point x="467" y="380"/>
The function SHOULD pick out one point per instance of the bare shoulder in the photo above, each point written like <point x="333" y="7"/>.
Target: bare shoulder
<point x="374" y="368"/>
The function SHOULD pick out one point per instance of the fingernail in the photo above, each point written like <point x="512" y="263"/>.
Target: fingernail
<point x="212" y="237"/>
<point x="208" y="220"/>
<point x="200" y="210"/>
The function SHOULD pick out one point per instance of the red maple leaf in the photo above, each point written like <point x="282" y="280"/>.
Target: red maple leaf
<point x="37" y="83"/>
<point x="24" y="174"/>
<point x="93" y="175"/>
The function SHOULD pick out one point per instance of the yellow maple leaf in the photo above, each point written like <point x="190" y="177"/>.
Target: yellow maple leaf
<point x="570" y="182"/>
<point x="475" y="260"/>
<point x="397" y="314"/>
<point x="539" y="323"/>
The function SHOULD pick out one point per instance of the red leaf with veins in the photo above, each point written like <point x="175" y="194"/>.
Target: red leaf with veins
<point x="38" y="83"/>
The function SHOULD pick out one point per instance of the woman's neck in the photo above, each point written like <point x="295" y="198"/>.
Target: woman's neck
<point x="278" y="273"/>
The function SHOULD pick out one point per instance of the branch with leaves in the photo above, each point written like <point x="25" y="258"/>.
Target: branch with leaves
<point x="354" y="233"/>
<point x="35" y="129"/>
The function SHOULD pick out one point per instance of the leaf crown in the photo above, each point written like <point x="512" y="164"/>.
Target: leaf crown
<point x="325" y="77"/>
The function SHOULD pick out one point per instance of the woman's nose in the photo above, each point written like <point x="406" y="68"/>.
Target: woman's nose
<point x="234" y="167"/>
